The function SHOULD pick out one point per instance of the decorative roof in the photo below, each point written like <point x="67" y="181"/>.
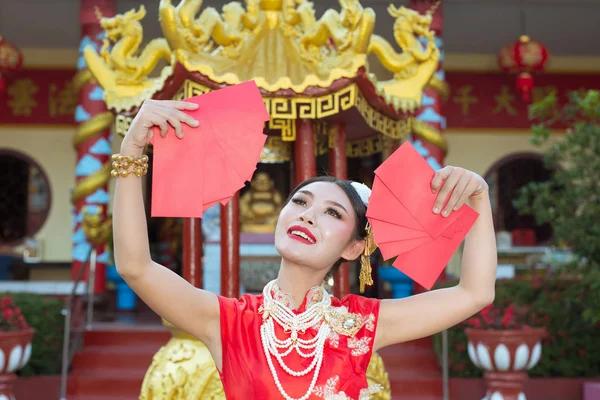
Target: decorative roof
<point x="280" y="44"/>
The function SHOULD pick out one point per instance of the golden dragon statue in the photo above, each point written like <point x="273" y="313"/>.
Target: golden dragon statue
<point x="337" y="39"/>
<point x="120" y="64"/>
<point x="414" y="67"/>
<point x="211" y="31"/>
<point x="349" y="29"/>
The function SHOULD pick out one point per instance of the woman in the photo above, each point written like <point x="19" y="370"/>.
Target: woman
<point x="295" y="341"/>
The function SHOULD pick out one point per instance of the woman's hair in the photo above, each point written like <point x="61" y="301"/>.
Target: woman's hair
<point x="360" y="210"/>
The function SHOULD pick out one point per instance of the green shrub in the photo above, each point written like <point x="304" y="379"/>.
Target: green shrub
<point x="569" y="199"/>
<point x="44" y="314"/>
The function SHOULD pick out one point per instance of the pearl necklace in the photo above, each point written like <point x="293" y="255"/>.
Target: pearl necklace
<point x="275" y="311"/>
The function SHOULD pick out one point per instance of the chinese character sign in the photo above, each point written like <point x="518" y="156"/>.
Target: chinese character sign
<point x="39" y="97"/>
<point x="21" y="94"/>
<point x="489" y="100"/>
<point x="465" y="99"/>
<point x="477" y="100"/>
<point x="62" y="100"/>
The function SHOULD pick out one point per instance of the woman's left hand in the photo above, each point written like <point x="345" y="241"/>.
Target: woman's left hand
<point x="462" y="183"/>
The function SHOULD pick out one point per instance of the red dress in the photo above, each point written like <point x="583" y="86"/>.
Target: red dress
<point x="245" y="371"/>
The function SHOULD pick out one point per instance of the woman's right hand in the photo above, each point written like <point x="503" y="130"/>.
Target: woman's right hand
<point x="159" y="113"/>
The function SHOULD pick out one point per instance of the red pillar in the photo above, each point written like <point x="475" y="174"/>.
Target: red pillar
<point x="230" y="248"/>
<point x="93" y="152"/>
<point x="305" y="164"/>
<point x="192" y="251"/>
<point x="338" y="168"/>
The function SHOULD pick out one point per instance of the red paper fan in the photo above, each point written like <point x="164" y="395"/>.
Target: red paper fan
<point x="404" y="225"/>
<point x="212" y="162"/>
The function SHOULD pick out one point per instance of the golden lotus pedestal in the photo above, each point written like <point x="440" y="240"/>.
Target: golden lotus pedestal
<point x="183" y="369"/>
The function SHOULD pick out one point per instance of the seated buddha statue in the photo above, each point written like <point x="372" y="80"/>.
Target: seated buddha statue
<point x="260" y="205"/>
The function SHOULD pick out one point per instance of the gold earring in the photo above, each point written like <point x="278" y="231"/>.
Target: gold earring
<point x="365" y="277"/>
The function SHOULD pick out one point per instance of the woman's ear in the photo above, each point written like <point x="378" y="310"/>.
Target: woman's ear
<point x="354" y="250"/>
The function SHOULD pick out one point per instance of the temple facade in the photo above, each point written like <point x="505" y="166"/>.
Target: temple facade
<point x="345" y="83"/>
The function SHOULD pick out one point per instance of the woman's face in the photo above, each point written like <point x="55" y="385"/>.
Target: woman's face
<point x="317" y="227"/>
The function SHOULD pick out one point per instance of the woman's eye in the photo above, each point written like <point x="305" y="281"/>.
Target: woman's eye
<point x="334" y="213"/>
<point x="299" y="201"/>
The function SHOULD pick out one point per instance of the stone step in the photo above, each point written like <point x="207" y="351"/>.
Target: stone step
<point x="113" y="337"/>
<point x="107" y="383"/>
<point x="114" y="357"/>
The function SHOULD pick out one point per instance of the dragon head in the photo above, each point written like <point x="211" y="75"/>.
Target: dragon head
<point x="115" y="26"/>
<point x="232" y="13"/>
<point x="411" y="21"/>
<point x="351" y="12"/>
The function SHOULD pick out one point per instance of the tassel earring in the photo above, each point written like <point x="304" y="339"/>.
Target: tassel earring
<point x="365" y="276"/>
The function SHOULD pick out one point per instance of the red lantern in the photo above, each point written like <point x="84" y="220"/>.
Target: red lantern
<point x="11" y="60"/>
<point x="524" y="57"/>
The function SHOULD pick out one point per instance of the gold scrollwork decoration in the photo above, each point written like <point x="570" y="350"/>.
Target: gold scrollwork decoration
<point x="365" y="147"/>
<point x="281" y="108"/>
<point x="284" y="110"/>
<point x="396" y="129"/>
<point x="276" y="150"/>
<point x="328" y="105"/>
<point x="180" y="94"/>
<point x="287" y="128"/>
<point x="191" y="89"/>
<point x="347" y="97"/>
<point x="305" y="107"/>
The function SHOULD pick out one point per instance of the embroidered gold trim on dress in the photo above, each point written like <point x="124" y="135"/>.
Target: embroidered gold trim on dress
<point x="343" y="322"/>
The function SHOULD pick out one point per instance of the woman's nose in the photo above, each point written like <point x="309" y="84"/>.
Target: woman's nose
<point x="307" y="217"/>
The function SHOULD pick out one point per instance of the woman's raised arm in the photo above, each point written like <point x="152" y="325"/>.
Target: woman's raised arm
<point x="194" y="310"/>
<point x="428" y="313"/>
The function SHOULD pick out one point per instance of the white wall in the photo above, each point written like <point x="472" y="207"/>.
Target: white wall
<point x="53" y="150"/>
<point x="479" y="150"/>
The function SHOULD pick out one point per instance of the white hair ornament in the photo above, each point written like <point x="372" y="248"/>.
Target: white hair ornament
<point x="363" y="192"/>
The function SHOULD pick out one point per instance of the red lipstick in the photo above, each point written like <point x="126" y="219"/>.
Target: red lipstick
<point x="301" y="234"/>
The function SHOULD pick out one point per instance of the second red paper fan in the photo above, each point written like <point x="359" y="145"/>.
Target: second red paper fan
<point x="404" y="225"/>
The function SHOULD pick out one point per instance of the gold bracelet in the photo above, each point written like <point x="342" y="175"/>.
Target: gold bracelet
<point x="121" y="165"/>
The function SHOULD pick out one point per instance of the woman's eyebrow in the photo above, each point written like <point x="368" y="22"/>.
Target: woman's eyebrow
<point x="335" y="203"/>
